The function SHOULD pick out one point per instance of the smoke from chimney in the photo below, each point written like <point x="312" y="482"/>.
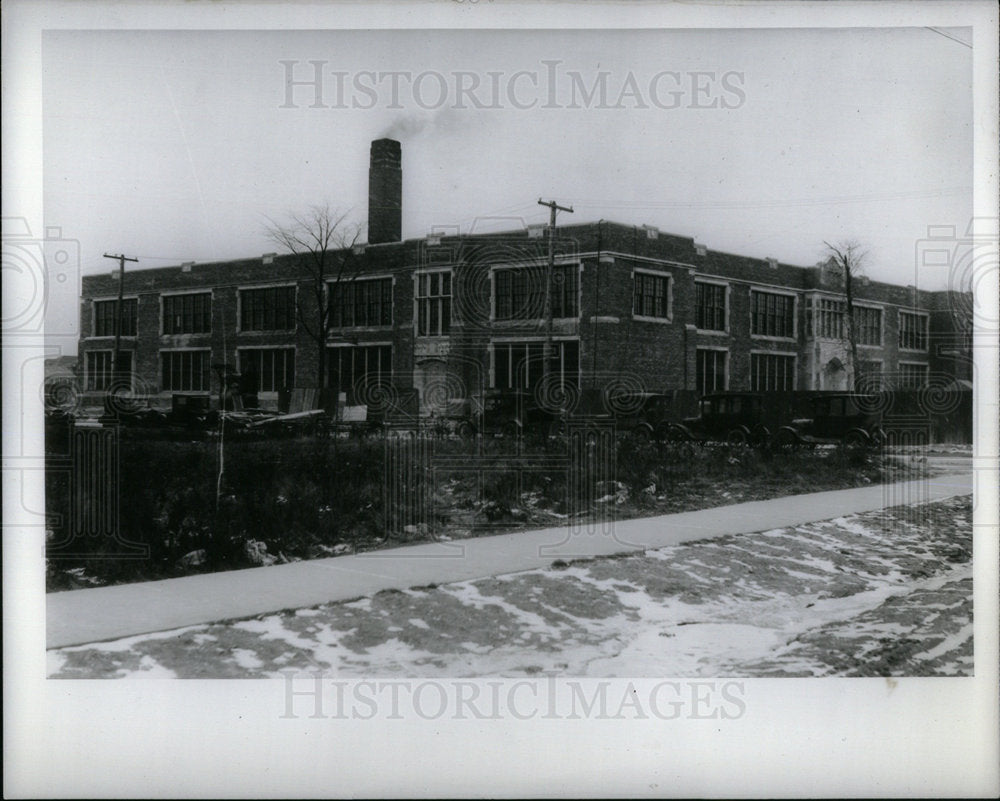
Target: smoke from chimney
<point x="385" y="192"/>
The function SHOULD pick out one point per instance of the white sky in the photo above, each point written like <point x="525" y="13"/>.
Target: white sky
<point x="172" y="145"/>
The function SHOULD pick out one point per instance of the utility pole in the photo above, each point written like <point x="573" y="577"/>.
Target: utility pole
<point x="116" y="354"/>
<point x="547" y="347"/>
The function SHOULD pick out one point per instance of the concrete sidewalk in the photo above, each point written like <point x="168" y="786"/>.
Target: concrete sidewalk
<point x="77" y="617"/>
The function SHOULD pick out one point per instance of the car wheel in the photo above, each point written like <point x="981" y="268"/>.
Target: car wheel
<point x="737" y="438"/>
<point x="786" y="440"/>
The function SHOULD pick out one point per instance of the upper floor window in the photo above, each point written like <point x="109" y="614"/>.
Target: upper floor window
<point x="520" y="293"/>
<point x="187" y="314"/>
<point x="710" y="306"/>
<point x="361" y="303"/>
<point x="652" y="295"/>
<point x="829" y="318"/>
<point x="433" y="303"/>
<point x="912" y="331"/>
<point x="105" y="318"/>
<point x="868" y="325"/>
<point x="772" y="314"/>
<point x="267" y="309"/>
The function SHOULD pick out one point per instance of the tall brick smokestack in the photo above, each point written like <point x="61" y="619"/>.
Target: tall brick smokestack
<point x="385" y="192"/>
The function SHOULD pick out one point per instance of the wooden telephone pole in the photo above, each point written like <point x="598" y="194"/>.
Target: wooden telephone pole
<point x="119" y="313"/>
<point x="547" y="355"/>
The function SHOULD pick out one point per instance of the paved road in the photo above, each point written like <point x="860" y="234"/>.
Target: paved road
<point x="91" y="615"/>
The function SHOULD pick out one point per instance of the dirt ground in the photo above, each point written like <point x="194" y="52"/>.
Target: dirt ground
<point x="887" y="593"/>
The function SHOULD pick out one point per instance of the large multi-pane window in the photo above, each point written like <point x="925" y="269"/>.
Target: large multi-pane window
<point x="711" y="370"/>
<point x="521" y="365"/>
<point x="710" y="306"/>
<point x="912" y="376"/>
<point x="868" y="325"/>
<point x="361" y="302"/>
<point x="433" y="303"/>
<point x="187" y="314"/>
<point x="104" y="317"/>
<point x="828" y="320"/>
<point x="772" y="314"/>
<point x="520" y="293"/>
<point x="268" y="369"/>
<point x="267" y="309"/>
<point x="99" y="368"/>
<point x="912" y="331"/>
<point x="772" y="371"/>
<point x="185" y="370"/>
<point x="350" y="368"/>
<point x="652" y="295"/>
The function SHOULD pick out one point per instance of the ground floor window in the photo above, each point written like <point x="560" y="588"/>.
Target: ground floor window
<point x="185" y="370"/>
<point x="711" y="370"/>
<point x="267" y="369"/>
<point x="773" y="372"/>
<point x="869" y="375"/>
<point x="99" y="367"/>
<point x="520" y="365"/>
<point x="350" y="368"/>
<point x="912" y="376"/>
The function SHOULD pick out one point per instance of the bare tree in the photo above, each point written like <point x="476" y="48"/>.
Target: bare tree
<point x="849" y="258"/>
<point x="323" y="240"/>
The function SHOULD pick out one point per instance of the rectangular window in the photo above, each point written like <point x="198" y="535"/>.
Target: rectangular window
<point x="710" y="307"/>
<point x="187" y="314"/>
<point x="268" y="369"/>
<point x="185" y="370"/>
<point x="771" y="314"/>
<point x="912" y="331"/>
<point x="868" y="325"/>
<point x="99" y="368"/>
<point x="912" y="376"/>
<point x="267" y="309"/>
<point x="433" y="304"/>
<point x="520" y="293"/>
<point x="830" y="319"/>
<point x="651" y="297"/>
<point x="361" y="303"/>
<point x="104" y="317"/>
<point x="351" y="368"/>
<point x="520" y="365"/>
<point x="773" y="372"/>
<point x="711" y="370"/>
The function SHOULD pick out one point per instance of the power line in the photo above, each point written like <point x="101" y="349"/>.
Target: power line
<point x="939" y="32"/>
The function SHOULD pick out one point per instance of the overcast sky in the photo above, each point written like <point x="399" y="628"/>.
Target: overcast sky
<point x="175" y="146"/>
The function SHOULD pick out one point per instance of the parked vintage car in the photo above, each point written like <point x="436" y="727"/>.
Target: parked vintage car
<point x="840" y="418"/>
<point x="509" y="413"/>
<point x="735" y="418"/>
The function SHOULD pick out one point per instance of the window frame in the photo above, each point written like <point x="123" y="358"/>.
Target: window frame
<point x="727" y="361"/>
<point x="108" y="353"/>
<point x="419" y="299"/>
<point x="921" y="315"/>
<point x="263" y="287"/>
<point x="575" y="266"/>
<point x="668" y="277"/>
<point x="559" y="342"/>
<point x="725" y="306"/>
<point x="775" y="354"/>
<point x="163" y="311"/>
<point x="924" y="367"/>
<point x="207" y="372"/>
<point x="794" y="314"/>
<point x="881" y="324"/>
<point x="113" y="300"/>
<point x="366" y="303"/>
<point x="260" y="348"/>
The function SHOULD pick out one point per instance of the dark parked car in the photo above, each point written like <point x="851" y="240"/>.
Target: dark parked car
<point x="510" y="413"/>
<point x="732" y="417"/>
<point x="841" y="418"/>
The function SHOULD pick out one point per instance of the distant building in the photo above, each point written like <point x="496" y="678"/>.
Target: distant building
<point x="458" y="314"/>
